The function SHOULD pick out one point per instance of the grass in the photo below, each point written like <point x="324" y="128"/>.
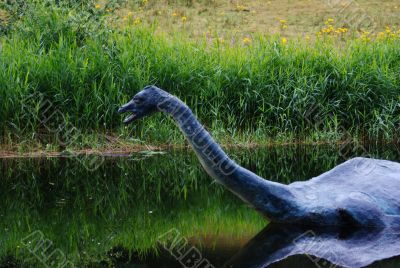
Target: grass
<point x="65" y="69"/>
<point x="245" y="18"/>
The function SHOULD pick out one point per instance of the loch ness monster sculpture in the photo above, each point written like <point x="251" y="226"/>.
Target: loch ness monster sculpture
<point x="360" y="192"/>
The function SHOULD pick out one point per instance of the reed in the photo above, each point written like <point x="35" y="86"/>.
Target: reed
<point x="266" y="90"/>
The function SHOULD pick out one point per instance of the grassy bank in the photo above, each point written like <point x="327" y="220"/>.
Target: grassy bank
<point x="64" y="70"/>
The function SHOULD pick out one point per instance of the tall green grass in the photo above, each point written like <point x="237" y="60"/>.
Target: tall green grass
<point x="317" y="90"/>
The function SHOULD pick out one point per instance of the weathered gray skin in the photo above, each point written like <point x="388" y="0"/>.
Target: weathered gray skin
<point x="359" y="192"/>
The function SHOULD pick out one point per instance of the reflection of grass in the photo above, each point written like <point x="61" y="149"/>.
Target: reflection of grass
<point x="124" y="204"/>
<point x="128" y="203"/>
<point x="83" y="234"/>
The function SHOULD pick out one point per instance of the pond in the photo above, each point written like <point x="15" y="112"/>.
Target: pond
<point x="124" y="211"/>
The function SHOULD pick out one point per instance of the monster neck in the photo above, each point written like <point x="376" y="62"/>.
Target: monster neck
<point x="272" y="199"/>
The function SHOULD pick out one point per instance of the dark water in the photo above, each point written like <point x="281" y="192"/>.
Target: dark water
<point x="124" y="211"/>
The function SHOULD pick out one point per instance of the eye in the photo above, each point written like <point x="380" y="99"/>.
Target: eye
<point x="138" y="100"/>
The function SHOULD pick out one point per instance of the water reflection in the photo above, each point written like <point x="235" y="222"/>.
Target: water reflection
<point x="96" y="216"/>
<point x="323" y="247"/>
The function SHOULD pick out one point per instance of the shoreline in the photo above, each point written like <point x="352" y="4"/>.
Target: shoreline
<point x="126" y="150"/>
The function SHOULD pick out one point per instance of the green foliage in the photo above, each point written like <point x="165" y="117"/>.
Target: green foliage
<point x="69" y="54"/>
<point x="48" y="21"/>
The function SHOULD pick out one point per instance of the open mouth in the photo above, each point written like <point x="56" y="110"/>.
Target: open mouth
<point x="131" y="109"/>
<point x="130" y="118"/>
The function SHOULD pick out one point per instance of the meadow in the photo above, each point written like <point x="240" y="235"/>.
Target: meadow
<point x="241" y="19"/>
<point x="65" y="68"/>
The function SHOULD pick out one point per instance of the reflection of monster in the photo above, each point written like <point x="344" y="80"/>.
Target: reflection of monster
<point x="359" y="192"/>
<point x="356" y="247"/>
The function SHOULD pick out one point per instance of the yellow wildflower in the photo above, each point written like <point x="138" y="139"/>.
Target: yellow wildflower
<point x="341" y="30"/>
<point x="174" y="14"/>
<point x="246" y="41"/>
<point x="240" y="7"/>
<point x="283" y="24"/>
<point x="184" y="18"/>
<point x="381" y="35"/>
<point x="329" y="21"/>
<point x="137" y="21"/>
<point x="284" y="40"/>
<point x="365" y="36"/>
<point x="97" y="6"/>
<point x="388" y="30"/>
<point x="130" y="13"/>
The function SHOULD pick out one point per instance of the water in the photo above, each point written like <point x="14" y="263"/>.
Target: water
<point x="123" y="210"/>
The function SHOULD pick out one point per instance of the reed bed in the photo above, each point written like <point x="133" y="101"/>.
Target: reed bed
<point x="268" y="89"/>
